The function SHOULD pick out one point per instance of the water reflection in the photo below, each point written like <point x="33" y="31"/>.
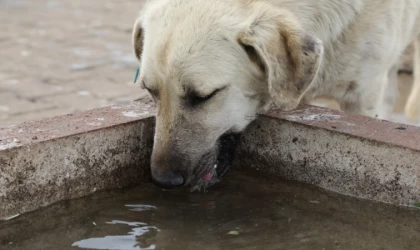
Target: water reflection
<point x="138" y="238"/>
<point x="140" y="208"/>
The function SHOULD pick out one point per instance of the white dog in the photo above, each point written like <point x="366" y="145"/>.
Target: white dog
<point x="212" y="65"/>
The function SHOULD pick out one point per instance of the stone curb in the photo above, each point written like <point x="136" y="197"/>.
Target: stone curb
<point x="71" y="156"/>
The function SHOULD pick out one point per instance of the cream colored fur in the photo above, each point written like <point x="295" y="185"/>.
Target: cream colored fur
<point x="362" y="40"/>
<point x="263" y="51"/>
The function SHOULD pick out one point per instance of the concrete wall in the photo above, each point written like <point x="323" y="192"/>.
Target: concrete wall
<point x="348" y="154"/>
<point x="75" y="155"/>
<point x="71" y="156"/>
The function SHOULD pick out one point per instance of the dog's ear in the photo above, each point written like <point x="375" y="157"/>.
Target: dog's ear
<point x="138" y="39"/>
<point x="289" y="57"/>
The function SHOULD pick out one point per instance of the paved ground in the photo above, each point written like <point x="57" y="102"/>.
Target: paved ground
<point x="60" y="57"/>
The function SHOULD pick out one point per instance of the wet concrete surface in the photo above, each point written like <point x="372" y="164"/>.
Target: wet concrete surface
<point x="245" y="211"/>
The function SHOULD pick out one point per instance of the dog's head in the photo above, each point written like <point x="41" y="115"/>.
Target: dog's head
<point x="211" y="66"/>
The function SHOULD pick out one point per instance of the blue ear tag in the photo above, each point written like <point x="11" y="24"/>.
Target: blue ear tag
<point x="137" y="74"/>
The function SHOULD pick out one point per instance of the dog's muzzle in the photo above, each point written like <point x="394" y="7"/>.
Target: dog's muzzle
<point x="212" y="174"/>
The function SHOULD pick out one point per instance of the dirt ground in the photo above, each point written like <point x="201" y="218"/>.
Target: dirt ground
<point x="60" y="57"/>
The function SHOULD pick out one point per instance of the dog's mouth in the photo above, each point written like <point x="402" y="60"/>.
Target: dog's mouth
<point x="226" y="151"/>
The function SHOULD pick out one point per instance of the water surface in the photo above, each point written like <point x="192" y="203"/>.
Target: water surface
<point x="244" y="211"/>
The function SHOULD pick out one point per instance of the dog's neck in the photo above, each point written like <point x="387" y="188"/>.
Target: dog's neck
<point x="324" y="19"/>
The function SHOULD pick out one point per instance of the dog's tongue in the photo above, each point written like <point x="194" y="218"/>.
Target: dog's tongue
<point x="207" y="177"/>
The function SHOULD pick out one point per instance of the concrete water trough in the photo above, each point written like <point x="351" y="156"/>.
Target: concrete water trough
<point x="70" y="156"/>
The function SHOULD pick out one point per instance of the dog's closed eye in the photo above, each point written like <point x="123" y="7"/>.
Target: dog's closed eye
<point x="195" y="98"/>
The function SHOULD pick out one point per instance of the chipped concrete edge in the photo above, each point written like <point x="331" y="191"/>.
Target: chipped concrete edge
<point x="71" y="156"/>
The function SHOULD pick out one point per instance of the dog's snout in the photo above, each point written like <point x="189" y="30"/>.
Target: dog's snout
<point x="168" y="179"/>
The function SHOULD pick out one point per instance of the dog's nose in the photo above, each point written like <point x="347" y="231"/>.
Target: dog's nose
<point x="168" y="180"/>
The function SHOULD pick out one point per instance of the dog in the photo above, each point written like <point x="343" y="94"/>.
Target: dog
<point x="212" y="66"/>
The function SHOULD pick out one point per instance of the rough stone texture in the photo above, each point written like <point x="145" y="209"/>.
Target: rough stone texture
<point x="30" y="133"/>
<point x="71" y="156"/>
<point x="348" y="154"/>
<point x="355" y="125"/>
